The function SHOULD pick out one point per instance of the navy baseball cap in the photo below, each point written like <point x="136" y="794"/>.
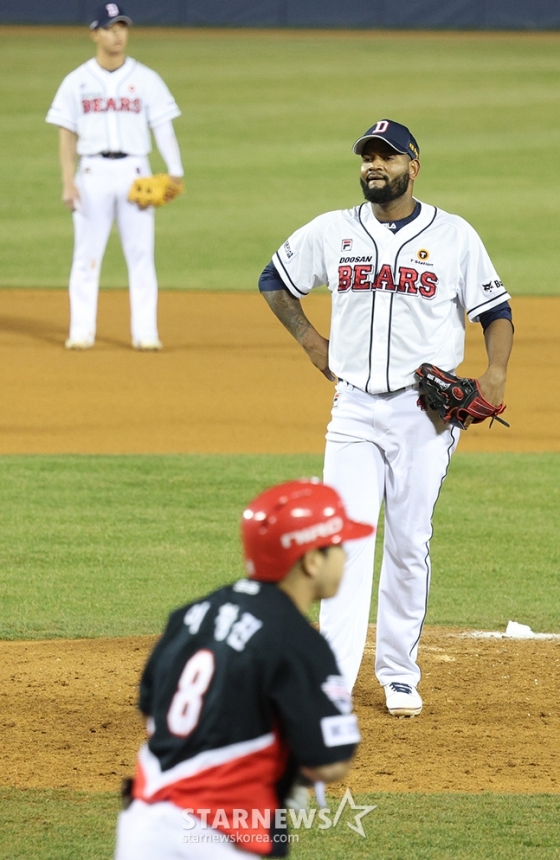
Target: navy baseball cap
<point x="107" y="15"/>
<point x="393" y="133"/>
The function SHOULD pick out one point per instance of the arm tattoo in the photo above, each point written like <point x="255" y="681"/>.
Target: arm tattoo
<point x="289" y="312"/>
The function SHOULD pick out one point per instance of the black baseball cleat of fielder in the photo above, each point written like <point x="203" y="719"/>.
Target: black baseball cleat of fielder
<point x="403" y="700"/>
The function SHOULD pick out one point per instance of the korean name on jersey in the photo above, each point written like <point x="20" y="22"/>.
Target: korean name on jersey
<point x="399" y="299"/>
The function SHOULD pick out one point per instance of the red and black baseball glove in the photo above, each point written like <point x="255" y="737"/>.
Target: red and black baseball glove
<point x="455" y="398"/>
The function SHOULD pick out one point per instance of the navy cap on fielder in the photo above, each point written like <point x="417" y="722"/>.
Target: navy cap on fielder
<point x="109" y="14"/>
<point x="396" y="135"/>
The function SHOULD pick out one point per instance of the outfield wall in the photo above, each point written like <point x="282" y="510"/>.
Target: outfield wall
<point x="405" y="14"/>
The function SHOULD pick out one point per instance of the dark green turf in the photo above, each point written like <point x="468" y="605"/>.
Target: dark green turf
<point x="266" y="132"/>
<point x="57" y="824"/>
<point x="67" y="825"/>
<point x="106" y="546"/>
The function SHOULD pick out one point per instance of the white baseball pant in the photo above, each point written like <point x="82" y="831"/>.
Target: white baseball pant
<point x="384" y="448"/>
<point x="103" y="184"/>
<point x="156" y="831"/>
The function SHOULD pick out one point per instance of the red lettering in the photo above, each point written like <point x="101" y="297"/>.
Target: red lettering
<point x="407" y="281"/>
<point x="136" y="105"/>
<point x="344" y="278"/>
<point x="428" y="281"/>
<point x="97" y="105"/>
<point x="384" y="280"/>
<point x="125" y="104"/>
<point x="111" y="104"/>
<point x="86" y="104"/>
<point x="361" y="278"/>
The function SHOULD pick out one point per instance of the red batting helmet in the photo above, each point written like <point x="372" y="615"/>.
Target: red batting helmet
<point x="284" y="522"/>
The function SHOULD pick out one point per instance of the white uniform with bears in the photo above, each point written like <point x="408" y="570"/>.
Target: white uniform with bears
<point x="398" y="299"/>
<point x="113" y="112"/>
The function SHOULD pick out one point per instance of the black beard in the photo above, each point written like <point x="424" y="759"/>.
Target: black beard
<point x="388" y="192"/>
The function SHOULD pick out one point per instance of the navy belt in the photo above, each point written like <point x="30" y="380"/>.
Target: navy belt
<point x="114" y="154"/>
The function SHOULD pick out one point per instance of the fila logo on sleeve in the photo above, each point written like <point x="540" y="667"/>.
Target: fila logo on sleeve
<point x="362" y="277"/>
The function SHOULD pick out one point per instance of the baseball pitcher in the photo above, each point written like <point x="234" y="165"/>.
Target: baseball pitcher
<point x="403" y="276"/>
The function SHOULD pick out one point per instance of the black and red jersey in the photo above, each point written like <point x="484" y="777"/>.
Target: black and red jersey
<point x="239" y="692"/>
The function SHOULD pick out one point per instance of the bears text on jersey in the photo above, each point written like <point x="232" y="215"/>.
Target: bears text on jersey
<point x="101" y="105"/>
<point x="408" y="280"/>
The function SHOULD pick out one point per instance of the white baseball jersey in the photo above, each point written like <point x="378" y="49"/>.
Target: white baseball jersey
<point x="398" y="300"/>
<point x="112" y="111"/>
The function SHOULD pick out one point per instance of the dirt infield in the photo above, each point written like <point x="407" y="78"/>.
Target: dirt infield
<point x="490" y="721"/>
<point x="231" y="380"/>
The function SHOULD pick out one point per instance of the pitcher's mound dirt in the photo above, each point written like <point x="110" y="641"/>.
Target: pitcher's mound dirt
<point x="490" y="722"/>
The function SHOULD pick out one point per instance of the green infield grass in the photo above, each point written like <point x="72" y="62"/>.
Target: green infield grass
<point x="65" y="825"/>
<point x="266" y="132"/>
<point x="107" y="546"/>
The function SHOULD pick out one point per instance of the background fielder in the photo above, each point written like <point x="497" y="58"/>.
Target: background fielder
<point x="402" y="276"/>
<point x="242" y="692"/>
<point x="105" y="110"/>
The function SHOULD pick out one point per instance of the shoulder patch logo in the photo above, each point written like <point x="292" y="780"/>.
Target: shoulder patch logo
<point x="492" y="285"/>
<point x="335" y="689"/>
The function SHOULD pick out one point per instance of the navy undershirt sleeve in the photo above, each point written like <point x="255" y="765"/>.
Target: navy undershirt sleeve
<point x="270" y="280"/>
<point x="500" y="312"/>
